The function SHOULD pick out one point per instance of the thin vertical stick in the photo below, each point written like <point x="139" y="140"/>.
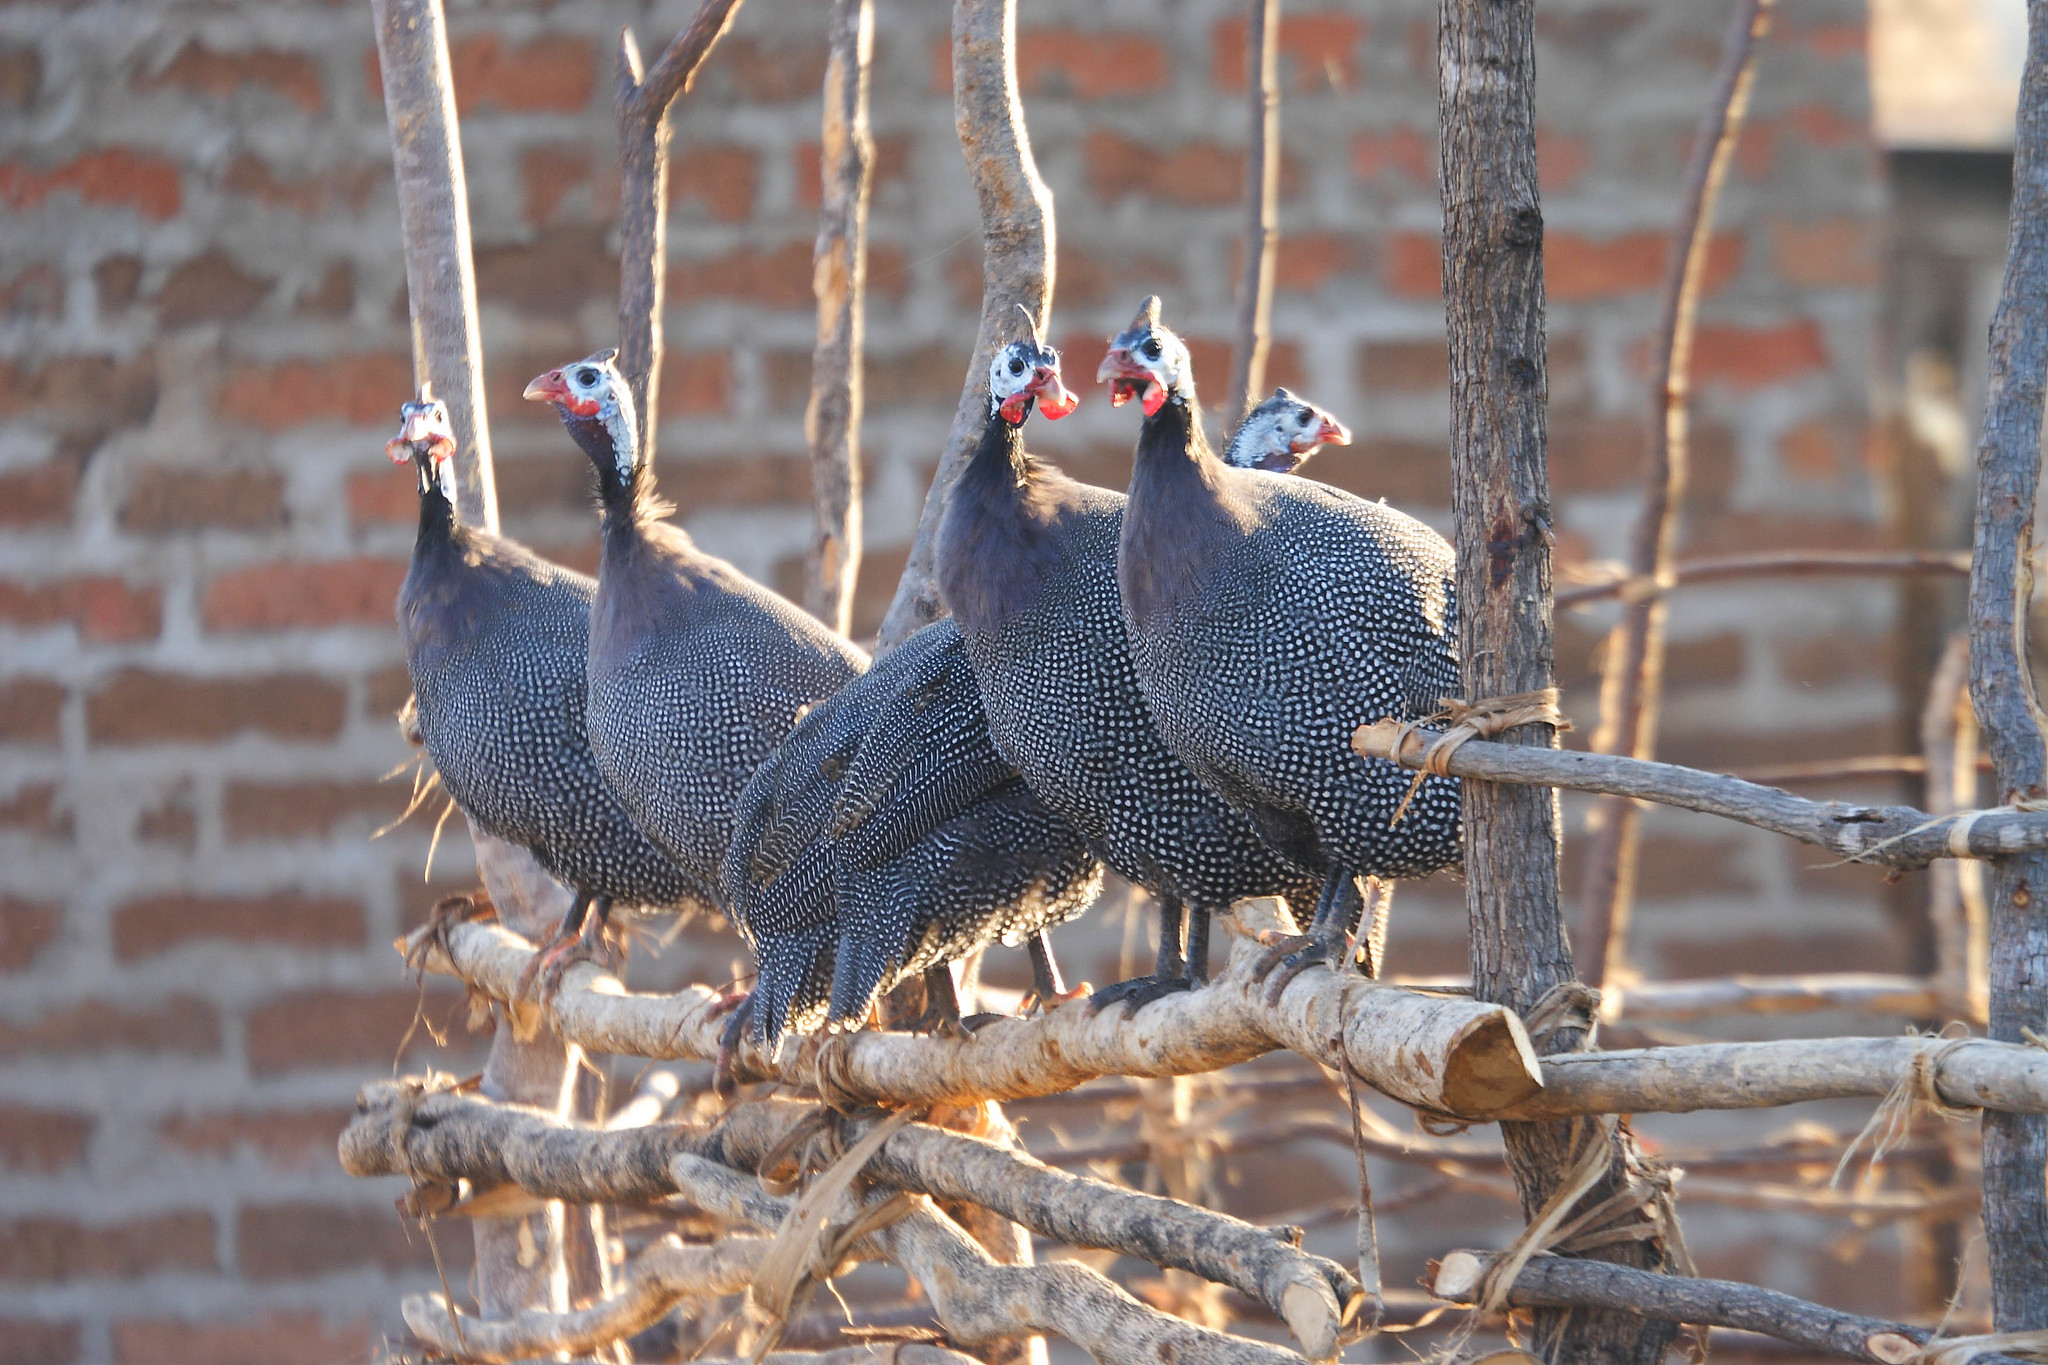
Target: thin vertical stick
<point x="643" y="102"/>
<point x="2001" y="685"/>
<point x="1017" y="249"/>
<point x="1955" y="886"/>
<point x="433" y="210"/>
<point x="1261" y="208"/>
<point x="1634" y="666"/>
<point x="1493" y="288"/>
<point x="846" y="156"/>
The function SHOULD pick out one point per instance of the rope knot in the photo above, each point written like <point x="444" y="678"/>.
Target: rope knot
<point x="1470" y="720"/>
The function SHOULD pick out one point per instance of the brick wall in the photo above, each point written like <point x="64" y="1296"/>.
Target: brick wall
<point x="203" y="341"/>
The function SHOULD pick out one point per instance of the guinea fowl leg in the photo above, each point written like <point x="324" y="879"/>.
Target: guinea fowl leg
<point x="1199" y="917"/>
<point x="942" y="1005"/>
<point x="1169" y="971"/>
<point x="564" y="940"/>
<point x="1048" y="991"/>
<point x="1329" y="933"/>
<point x="724" y="1083"/>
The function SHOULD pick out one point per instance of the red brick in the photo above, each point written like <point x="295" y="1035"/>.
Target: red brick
<point x="21" y="78"/>
<point x="1086" y="277"/>
<point x="160" y="924"/>
<point x="166" y="498"/>
<point x="1749" y="357"/>
<point x="757" y="481"/>
<point x="25" y="1341"/>
<point x="1827" y="660"/>
<point x="888" y="271"/>
<point x="767" y="278"/>
<point x="1411" y="474"/>
<point x="30" y="709"/>
<point x="301" y="1241"/>
<point x="42" y="1140"/>
<point x="337" y="1028"/>
<point x="36" y="808"/>
<point x="355" y="390"/>
<point x="551" y="173"/>
<point x="1811" y="452"/>
<point x="282" y="1338"/>
<point x="183" y="1024"/>
<point x="53" y="1250"/>
<point x="1306" y="262"/>
<point x="1318" y="51"/>
<point x="294" y="593"/>
<point x="328" y="189"/>
<point x="202" y="71"/>
<point x="1403" y="152"/>
<point x="382" y="497"/>
<point x="1089" y="64"/>
<point x="80" y="396"/>
<point x="1834" y="40"/>
<point x="554" y="74"/>
<point x="1413" y="265"/>
<point x="26" y="928"/>
<point x="39" y="495"/>
<point x="290" y="1139"/>
<point x="1211" y="357"/>
<point x="173" y="821"/>
<point x="209" y="288"/>
<point x="1592" y="453"/>
<point x="721" y="181"/>
<point x="929" y="376"/>
<point x="770" y="70"/>
<point x="286" y="810"/>
<point x="1561" y="159"/>
<point x="386" y="690"/>
<point x="1831" y="253"/>
<point x="140" y="706"/>
<point x="108" y="177"/>
<point x="1194" y="174"/>
<point x="695" y="383"/>
<point x="37" y="292"/>
<point x="1404" y="366"/>
<point x="559" y="271"/>
<point x="891" y="166"/>
<point x="101" y="610"/>
<point x="115" y="281"/>
<point x="1826" y="126"/>
<point x="1578" y="268"/>
<point x="333" y="296"/>
<point x="538" y="484"/>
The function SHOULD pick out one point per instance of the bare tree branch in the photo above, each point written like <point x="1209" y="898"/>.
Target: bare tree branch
<point x="1909" y="997"/>
<point x="1017" y="253"/>
<point x="642" y="103"/>
<point x="839" y="270"/>
<point x="1955" y="887"/>
<point x="433" y="209"/>
<point x="1888" y="836"/>
<point x="1634" y="671"/>
<point x="1261" y="208"/>
<point x="1770" y="564"/>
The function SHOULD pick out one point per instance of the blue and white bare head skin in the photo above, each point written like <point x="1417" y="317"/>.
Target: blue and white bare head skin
<point x="426" y="440"/>
<point x="594" y="397"/>
<point x="1281" y="433"/>
<point x="1026" y="370"/>
<point x="1146" y="361"/>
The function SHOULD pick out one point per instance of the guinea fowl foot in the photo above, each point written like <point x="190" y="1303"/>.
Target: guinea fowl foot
<point x="563" y="952"/>
<point x="1138" y="992"/>
<point x="943" y="1022"/>
<point x="724" y="1083"/>
<point x="1294" y="954"/>
<point x="1036" y="1003"/>
<point x="448" y="912"/>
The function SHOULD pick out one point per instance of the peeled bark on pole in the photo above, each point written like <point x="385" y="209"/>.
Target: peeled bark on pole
<point x="2001" y="590"/>
<point x="1634" y="670"/>
<point x="433" y="209"/>
<point x="1261" y="208"/>
<point x="839" y="270"/>
<point x="642" y="102"/>
<point x="1493" y="288"/>
<point x="1017" y="250"/>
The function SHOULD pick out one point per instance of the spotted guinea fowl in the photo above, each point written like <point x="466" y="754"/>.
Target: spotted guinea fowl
<point x="695" y="671"/>
<point x="1269" y="617"/>
<point x="887" y="837"/>
<point x="1281" y="433"/>
<point x="495" y="639"/>
<point x="1027" y="566"/>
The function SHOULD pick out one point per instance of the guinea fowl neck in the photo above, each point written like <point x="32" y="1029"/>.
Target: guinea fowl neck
<point x="439" y="524"/>
<point x="987" y="542"/>
<point x="1174" y="455"/>
<point x="1182" y="512"/>
<point x="625" y="498"/>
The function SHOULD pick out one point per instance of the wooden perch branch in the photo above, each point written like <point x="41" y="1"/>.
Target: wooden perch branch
<point x="1634" y="671"/>
<point x="1261" y="209"/>
<point x="1445" y="1053"/>
<point x="642" y="103"/>
<point x="1909" y="997"/>
<point x="1017" y="253"/>
<point x="839" y="272"/>
<point x="1774" y="564"/>
<point x="1554" y="1282"/>
<point x="1889" y="836"/>
<point x="2002" y="686"/>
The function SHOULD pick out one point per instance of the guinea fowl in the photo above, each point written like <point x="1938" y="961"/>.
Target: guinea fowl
<point x="695" y="671"/>
<point x="1281" y="433"/>
<point x="495" y="639"/>
<point x="1269" y="617"/>
<point x="1027" y="565"/>
<point x="887" y="837"/>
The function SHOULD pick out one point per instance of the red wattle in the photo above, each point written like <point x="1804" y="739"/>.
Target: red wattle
<point x="582" y="407"/>
<point x="1155" y="398"/>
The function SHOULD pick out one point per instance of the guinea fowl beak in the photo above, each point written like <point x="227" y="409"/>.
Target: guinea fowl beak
<point x="1129" y="379"/>
<point x="548" y="388"/>
<point x="415" y="431"/>
<point x="1055" y="400"/>
<point x="1330" y="432"/>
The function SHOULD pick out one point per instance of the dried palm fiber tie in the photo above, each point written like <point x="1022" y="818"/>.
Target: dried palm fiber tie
<point x="1940" y="1350"/>
<point x="1470" y="720"/>
<point x="1916" y="1089"/>
<point x="1959" y="823"/>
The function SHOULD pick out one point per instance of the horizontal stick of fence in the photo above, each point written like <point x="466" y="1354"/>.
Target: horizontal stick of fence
<point x="1555" y="1282"/>
<point x="1913" y="997"/>
<point x="1889" y="836"/>
<point x="1447" y="1053"/>
<point x="1787" y="564"/>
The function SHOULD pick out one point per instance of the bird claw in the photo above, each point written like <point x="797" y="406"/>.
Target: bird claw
<point x="1294" y="954"/>
<point x="1138" y="992"/>
<point x="724" y="1081"/>
<point x="945" y="1023"/>
<point x="1035" y="1003"/>
<point x="562" y="952"/>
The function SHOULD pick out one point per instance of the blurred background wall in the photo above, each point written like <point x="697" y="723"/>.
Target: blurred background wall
<point x="203" y="341"/>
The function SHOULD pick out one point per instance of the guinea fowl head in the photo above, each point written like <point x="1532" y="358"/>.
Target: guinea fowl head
<point x="426" y="440"/>
<point x="596" y="405"/>
<point x="1146" y="361"/>
<point x="1281" y="433"/>
<point x="1026" y="370"/>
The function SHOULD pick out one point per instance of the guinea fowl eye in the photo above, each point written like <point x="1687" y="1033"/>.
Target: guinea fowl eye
<point x="1152" y="349"/>
<point x="1016" y="365"/>
<point x="586" y="376"/>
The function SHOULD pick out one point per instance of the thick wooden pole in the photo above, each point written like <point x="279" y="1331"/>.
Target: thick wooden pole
<point x="1261" y="209"/>
<point x="1017" y="250"/>
<point x="433" y="208"/>
<point x="839" y="272"/>
<point x="2009" y="712"/>
<point x="1493" y="286"/>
